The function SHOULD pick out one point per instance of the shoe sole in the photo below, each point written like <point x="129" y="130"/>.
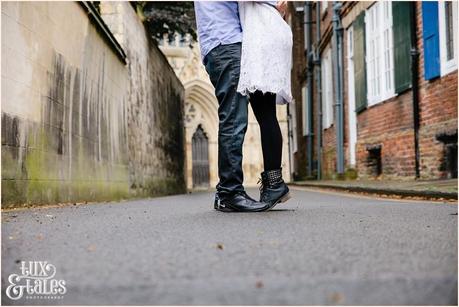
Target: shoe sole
<point x="283" y="199"/>
<point x="224" y="209"/>
<point x="229" y="208"/>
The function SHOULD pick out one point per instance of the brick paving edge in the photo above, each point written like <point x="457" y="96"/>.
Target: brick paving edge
<point x="404" y="193"/>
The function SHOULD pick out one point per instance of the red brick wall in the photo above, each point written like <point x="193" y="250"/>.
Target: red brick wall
<point x="329" y="152"/>
<point x="388" y="123"/>
<point x="328" y="134"/>
<point x="438" y="112"/>
<point x="298" y="79"/>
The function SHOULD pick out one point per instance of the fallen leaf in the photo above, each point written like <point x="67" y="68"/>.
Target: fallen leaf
<point x="40" y="237"/>
<point x="336" y="297"/>
<point x="220" y="246"/>
<point x="91" y="248"/>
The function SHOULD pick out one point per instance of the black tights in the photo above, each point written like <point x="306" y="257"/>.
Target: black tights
<point x="264" y="108"/>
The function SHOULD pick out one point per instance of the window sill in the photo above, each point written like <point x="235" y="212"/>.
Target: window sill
<point x="448" y="68"/>
<point x="326" y="128"/>
<point x="380" y="100"/>
<point x="361" y="109"/>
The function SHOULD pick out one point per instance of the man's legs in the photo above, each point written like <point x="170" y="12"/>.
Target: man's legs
<point x="223" y="65"/>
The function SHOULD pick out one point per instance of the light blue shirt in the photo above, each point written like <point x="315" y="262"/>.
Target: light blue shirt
<point x="218" y="24"/>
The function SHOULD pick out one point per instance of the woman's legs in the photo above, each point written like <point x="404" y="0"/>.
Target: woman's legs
<point x="264" y="108"/>
<point x="273" y="189"/>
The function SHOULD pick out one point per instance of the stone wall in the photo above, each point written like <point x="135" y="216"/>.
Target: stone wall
<point x="156" y="101"/>
<point x="78" y="124"/>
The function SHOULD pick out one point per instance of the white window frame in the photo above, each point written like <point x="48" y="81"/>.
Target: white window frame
<point x="323" y="7"/>
<point x="327" y="89"/>
<point x="352" y="121"/>
<point x="446" y="66"/>
<point x="379" y="55"/>
<point x="305" y="105"/>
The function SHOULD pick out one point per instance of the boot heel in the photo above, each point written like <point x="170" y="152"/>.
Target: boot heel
<point x="285" y="198"/>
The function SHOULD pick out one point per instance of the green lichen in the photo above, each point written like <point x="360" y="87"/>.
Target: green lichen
<point x="88" y="182"/>
<point x="13" y="193"/>
<point x="351" y="174"/>
<point x="163" y="186"/>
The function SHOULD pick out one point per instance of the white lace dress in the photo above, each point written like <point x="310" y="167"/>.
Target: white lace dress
<point x="266" y="58"/>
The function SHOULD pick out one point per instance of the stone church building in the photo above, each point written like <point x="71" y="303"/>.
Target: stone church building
<point x="201" y="122"/>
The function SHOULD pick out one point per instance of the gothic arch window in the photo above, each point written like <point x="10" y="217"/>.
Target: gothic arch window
<point x="200" y="156"/>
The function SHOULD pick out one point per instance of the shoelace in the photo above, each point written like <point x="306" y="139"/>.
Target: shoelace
<point x="262" y="184"/>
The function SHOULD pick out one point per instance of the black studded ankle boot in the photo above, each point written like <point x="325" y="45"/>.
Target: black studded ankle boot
<point x="273" y="189"/>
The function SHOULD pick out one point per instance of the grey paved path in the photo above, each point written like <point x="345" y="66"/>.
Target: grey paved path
<point x="318" y="248"/>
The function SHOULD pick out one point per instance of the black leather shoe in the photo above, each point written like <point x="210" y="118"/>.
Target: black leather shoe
<point x="239" y="202"/>
<point x="219" y="207"/>
<point x="273" y="189"/>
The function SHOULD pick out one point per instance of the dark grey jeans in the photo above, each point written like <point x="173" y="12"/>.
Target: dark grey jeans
<point x="223" y="64"/>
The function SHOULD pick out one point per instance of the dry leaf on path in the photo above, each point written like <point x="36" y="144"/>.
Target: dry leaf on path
<point x="91" y="248"/>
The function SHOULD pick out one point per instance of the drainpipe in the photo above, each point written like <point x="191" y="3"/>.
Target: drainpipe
<point x="338" y="69"/>
<point x="290" y="141"/>
<point x="415" y="88"/>
<point x="309" y="76"/>
<point x="317" y="61"/>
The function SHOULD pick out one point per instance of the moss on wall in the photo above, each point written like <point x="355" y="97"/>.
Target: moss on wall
<point x="103" y="130"/>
